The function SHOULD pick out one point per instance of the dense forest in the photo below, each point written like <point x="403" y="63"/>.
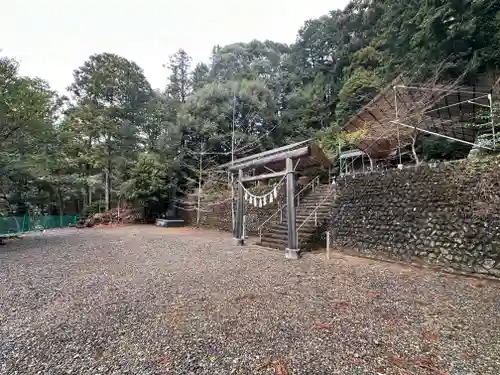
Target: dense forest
<point x="111" y="138"/>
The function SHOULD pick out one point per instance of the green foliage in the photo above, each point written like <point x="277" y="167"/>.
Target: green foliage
<point x="94" y="208"/>
<point x="437" y="148"/>
<point x="359" y="89"/>
<point x="332" y="140"/>
<point x="148" y="179"/>
<point x="117" y="139"/>
<point x="200" y="76"/>
<point x="486" y="142"/>
<point x="180" y="84"/>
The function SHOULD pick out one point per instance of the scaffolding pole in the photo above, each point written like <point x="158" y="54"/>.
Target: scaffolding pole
<point x="440" y="135"/>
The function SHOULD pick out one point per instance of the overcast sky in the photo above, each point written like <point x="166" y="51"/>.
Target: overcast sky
<point x="53" y="37"/>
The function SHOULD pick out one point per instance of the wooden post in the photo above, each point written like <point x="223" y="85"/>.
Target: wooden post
<point x="292" y="251"/>
<point x="328" y="245"/>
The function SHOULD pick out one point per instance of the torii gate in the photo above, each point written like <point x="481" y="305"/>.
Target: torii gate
<point x="278" y="162"/>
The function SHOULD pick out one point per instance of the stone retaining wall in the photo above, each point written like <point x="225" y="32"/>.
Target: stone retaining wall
<point x="218" y="216"/>
<point x="447" y="215"/>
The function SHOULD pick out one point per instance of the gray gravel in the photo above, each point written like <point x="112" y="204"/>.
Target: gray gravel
<point x="146" y="300"/>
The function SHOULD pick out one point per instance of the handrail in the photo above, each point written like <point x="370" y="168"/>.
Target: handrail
<point x="332" y="189"/>
<point x="282" y="207"/>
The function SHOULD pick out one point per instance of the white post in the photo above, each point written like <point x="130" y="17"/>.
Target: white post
<point x="328" y="245"/>
<point x="492" y="115"/>
<point x="315" y="218"/>
<point x="244" y="226"/>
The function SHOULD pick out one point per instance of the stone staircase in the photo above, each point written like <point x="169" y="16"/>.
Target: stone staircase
<point x="275" y="233"/>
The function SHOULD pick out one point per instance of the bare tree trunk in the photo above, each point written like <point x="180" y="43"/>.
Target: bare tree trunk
<point x="90" y="195"/>
<point x="413" y="149"/>
<point x="107" y="175"/>
<point x="106" y="189"/>
<point x="61" y="203"/>
<point x="87" y="175"/>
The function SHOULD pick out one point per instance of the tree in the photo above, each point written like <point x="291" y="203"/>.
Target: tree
<point x="117" y="137"/>
<point x="200" y="76"/>
<point x="113" y="92"/>
<point x="28" y="109"/>
<point x="212" y="109"/>
<point x="149" y="183"/>
<point x="179" y="84"/>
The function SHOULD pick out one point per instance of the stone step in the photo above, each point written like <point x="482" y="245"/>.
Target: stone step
<point x="315" y="200"/>
<point x="304" y="214"/>
<point x="284" y="231"/>
<point x="300" y="218"/>
<point x="284" y="225"/>
<point x="307" y="211"/>
<point x="284" y="236"/>
<point x="273" y="244"/>
<point x="275" y="235"/>
<point x="312" y="206"/>
<point x="322" y="195"/>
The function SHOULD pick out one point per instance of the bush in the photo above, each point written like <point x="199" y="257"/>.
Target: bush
<point x="94" y="208"/>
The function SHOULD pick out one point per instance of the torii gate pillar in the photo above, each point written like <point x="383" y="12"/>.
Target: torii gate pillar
<point x="238" y="219"/>
<point x="292" y="251"/>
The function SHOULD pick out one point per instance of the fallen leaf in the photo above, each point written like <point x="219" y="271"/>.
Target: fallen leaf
<point x="427" y="363"/>
<point x="395" y="359"/>
<point x="431" y="336"/>
<point x="162" y="360"/>
<point x="248" y="297"/>
<point x="322" y="326"/>
<point x="99" y="353"/>
<point x="479" y="284"/>
<point x="280" y="369"/>
<point x="342" y="305"/>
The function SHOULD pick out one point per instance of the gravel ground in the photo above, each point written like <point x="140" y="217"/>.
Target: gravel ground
<point x="146" y="300"/>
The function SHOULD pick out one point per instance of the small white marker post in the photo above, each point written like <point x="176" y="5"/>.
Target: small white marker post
<point x="328" y="245"/>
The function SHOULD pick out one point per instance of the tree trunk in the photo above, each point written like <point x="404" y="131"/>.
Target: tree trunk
<point x="107" y="182"/>
<point x="87" y="175"/>
<point x="60" y="207"/>
<point x="414" y="151"/>
<point x="106" y="189"/>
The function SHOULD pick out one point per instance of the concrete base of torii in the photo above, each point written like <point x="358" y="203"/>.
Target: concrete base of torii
<point x="291" y="253"/>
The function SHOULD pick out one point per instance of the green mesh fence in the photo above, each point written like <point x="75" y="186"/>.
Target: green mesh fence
<point x="20" y="224"/>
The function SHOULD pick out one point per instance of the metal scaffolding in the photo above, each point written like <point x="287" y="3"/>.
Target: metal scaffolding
<point x="395" y="117"/>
